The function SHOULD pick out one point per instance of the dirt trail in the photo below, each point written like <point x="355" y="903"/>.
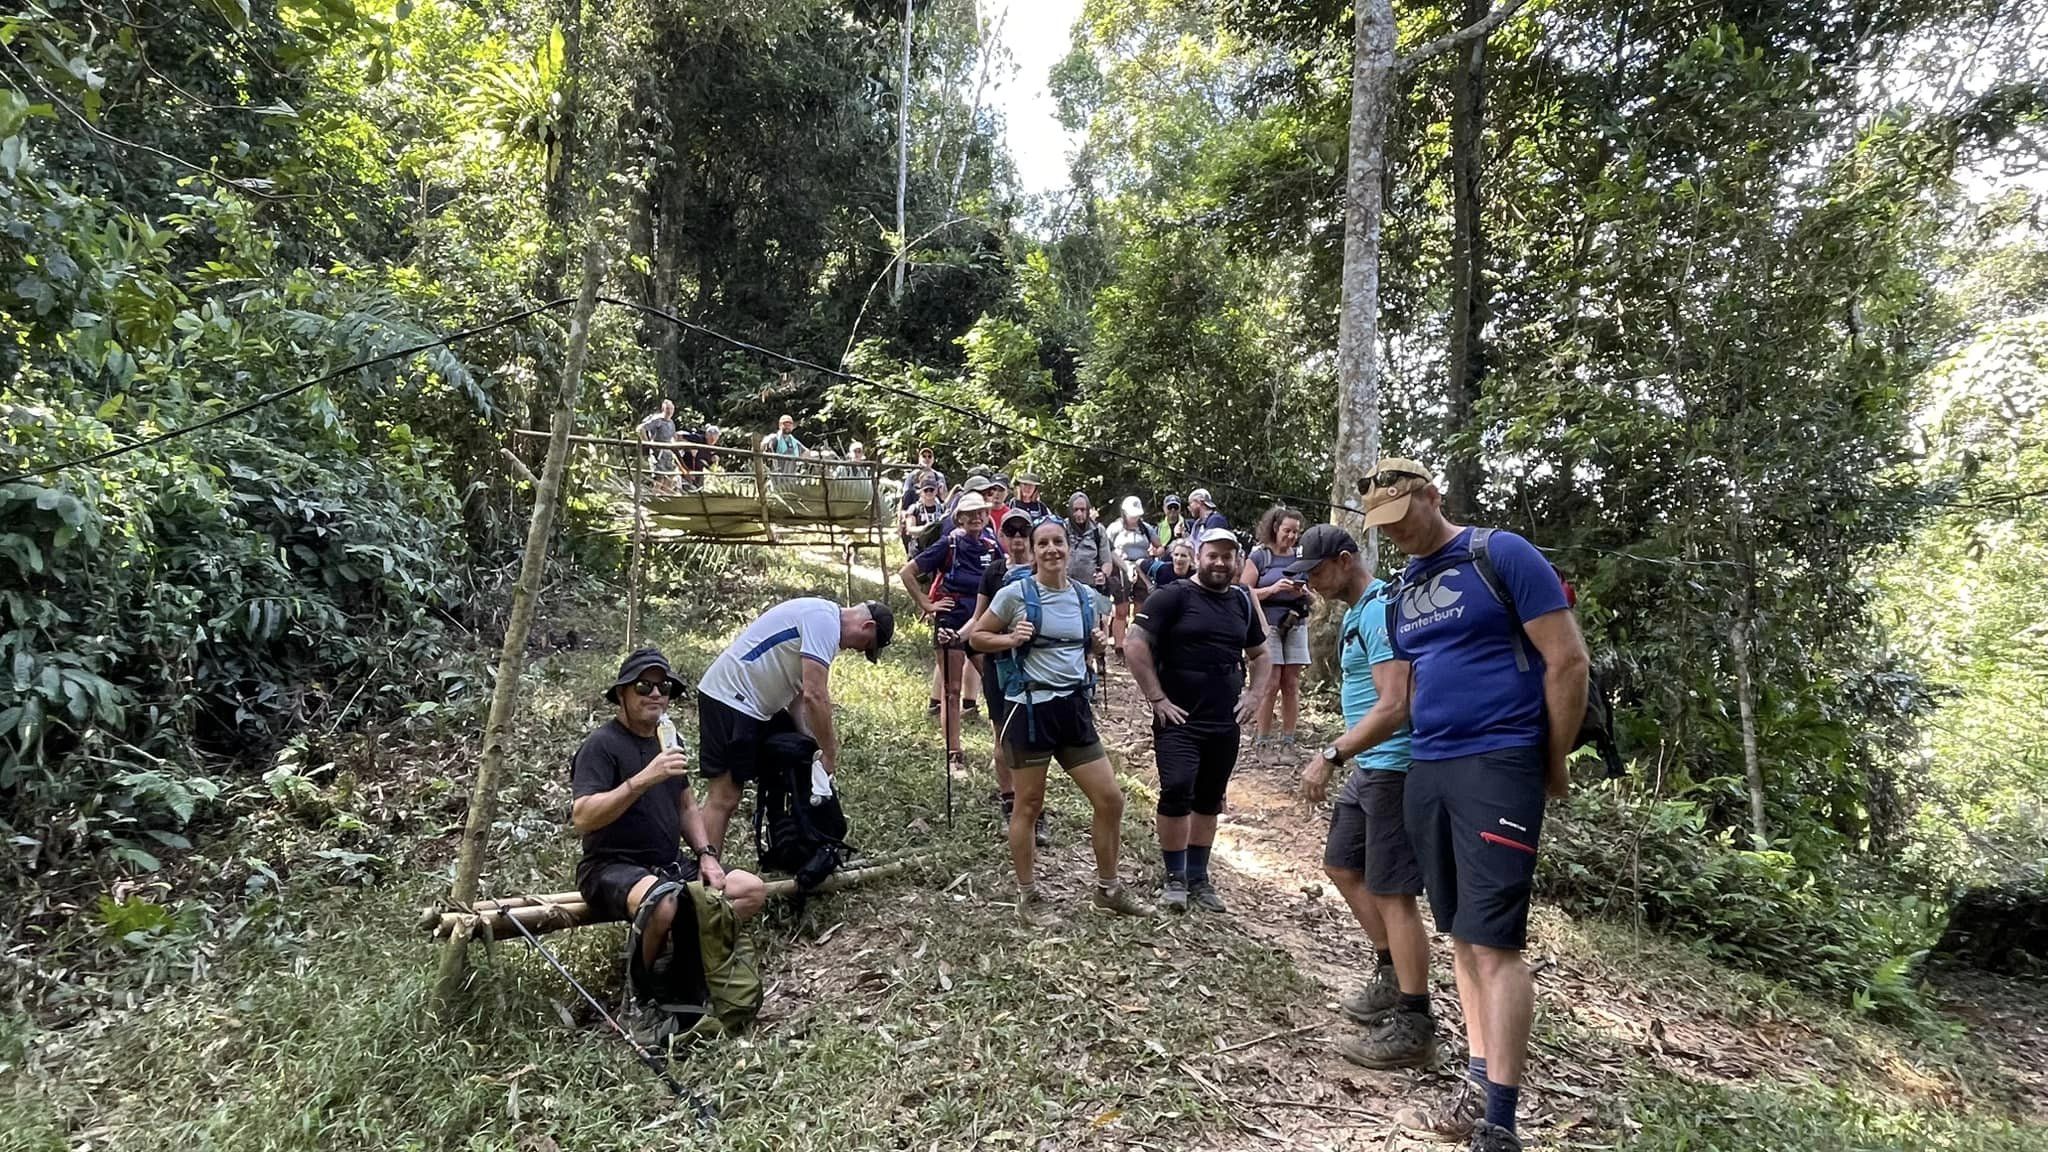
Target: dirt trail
<point x="1598" y="1018"/>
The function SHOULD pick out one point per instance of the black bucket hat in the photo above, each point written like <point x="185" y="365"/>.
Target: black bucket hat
<point x="640" y="661"/>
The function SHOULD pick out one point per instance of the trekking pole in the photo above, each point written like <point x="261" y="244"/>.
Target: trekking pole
<point x="705" y="1113"/>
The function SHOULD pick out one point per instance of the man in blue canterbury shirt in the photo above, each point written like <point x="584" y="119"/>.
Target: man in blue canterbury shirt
<point x="1496" y="695"/>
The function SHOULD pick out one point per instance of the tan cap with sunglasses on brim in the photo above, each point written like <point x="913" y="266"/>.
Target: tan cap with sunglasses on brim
<point x="640" y="661"/>
<point x="1388" y="489"/>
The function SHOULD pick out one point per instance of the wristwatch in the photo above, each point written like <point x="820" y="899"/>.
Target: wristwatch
<point x="1331" y="754"/>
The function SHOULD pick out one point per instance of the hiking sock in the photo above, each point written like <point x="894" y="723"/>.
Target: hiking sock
<point x="1475" y="1071"/>
<point x="1176" y="863"/>
<point x="1418" y="1003"/>
<point x="1198" y="863"/>
<point x="1500" y="1104"/>
<point x="1386" y="958"/>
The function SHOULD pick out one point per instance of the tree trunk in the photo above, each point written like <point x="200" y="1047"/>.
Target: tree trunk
<point x="1752" y="766"/>
<point x="483" y="793"/>
<point x="1466" y="366"/>
<point x="902" y="158"/>
<point x="1358" y="366"/>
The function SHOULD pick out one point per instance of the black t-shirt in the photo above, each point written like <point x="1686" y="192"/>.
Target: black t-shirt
<point x="1198" y="641"/>
<point x="649" y="832"/>
<point x="993" y="578"/>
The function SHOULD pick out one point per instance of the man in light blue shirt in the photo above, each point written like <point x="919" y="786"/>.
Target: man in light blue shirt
<point x="1368" y="855"/>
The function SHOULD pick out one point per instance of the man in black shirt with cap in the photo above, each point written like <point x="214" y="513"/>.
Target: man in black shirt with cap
<point x="1188" y="650"/>
<point x="632" y="804"/>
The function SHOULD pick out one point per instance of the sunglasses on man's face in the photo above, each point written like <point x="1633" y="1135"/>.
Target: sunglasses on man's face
<point x="1384" y="480"/>
<point x="670" y="688"/>
<point x="1019" y="530"/>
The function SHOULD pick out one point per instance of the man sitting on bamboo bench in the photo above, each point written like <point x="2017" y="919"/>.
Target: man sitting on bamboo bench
<point x="632" y="805"/>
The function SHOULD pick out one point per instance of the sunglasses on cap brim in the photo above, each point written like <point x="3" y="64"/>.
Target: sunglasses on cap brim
<point x="671" y="687"/>
<point x="1384" y="480"/>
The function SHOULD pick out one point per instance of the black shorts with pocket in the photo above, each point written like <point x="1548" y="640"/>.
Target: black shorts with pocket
<point x="606" y="884"/>
<point x="1474" y="821"/>
<point x="729" y="741"/>
<point x="1062" y="728"/>
<point x="1369" y="833"/>
<point x="1195" y="763"/>
<point x="992" y="691"/>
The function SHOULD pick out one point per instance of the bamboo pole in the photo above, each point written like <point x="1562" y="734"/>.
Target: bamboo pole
<point x="761" y="490"/>
<point x="483" y="793"/>
<point x="639" y="548"/>
<point x="557" y="911"/>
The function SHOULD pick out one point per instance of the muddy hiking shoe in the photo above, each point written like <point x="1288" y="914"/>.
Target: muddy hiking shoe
<point x="1033" y="908"/>
<point x="1493" y="1138"/>
<point x="1203" y="895"/>
<point x="1402" y="1040"/>
<point x="1120" y="900"/>
<point x="1173" y="895"/>
<point x="1451" y="1119"/>
<point x="1040" y="833"/>
<point x="1370" y="1002"/>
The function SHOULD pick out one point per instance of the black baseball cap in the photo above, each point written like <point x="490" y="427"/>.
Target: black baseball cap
<point x="885" y="628"/>
<point x="1319" y="544"/>
<point x="639" y="661"/>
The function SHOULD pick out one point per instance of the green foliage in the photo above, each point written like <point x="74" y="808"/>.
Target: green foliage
<point x="1615" y="854"/>
<point x="1677" y="1115"/>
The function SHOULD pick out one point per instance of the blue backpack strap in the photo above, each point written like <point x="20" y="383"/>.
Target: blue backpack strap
<point x="1482" y="562"/>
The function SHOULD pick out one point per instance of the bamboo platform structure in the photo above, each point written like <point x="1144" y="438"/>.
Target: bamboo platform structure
<point x="745" y="498"/>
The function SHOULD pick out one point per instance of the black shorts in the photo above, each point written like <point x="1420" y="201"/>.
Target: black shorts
<point x="1194" y="767"/>
<point x="1061" y="728"/>
<point x="1474" y="821"/>
<point x="992" y="691"/>
<point x="729" y="741"/>
<point x="1369" y="833"/>
<point x="606" y="886"/>
<point x="954" y="621"/>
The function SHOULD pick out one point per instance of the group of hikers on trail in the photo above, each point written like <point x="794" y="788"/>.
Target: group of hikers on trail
<point x="1464" y="685"/>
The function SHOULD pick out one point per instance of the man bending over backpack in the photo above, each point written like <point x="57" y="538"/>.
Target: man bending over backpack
<point x="1051" y="623"/>
<point x="779" y="663"/>
<point x="632" y="804"/>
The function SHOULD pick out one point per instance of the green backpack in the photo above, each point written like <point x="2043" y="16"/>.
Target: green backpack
<point x="675" y="999"/>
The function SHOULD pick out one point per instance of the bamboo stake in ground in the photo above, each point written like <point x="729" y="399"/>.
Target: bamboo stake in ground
<point x="639" y="546"/>
<point x="483" y="793"/>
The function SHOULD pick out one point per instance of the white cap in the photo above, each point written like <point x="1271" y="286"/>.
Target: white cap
<point x="971" y="502"/>
<point x="1133" y="506"/>
<point x="1218" y="535"/>
<point x="1202" y="494"/>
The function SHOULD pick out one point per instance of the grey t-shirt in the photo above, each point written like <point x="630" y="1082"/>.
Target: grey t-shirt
<point x="1056" y="661"/>
<point x="1087" y="549"/>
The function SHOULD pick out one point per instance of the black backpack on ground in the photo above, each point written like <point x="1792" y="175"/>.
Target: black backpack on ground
<point x="791" y="834"/>
<point x="1596" y="729"/>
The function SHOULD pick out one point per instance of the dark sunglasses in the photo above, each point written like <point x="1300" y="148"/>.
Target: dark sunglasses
<point x="670" y="688"/>
<point x="1385" y="479"/>
<point x="1025" y="530"/>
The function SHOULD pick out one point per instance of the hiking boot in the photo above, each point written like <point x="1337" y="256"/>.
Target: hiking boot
<point x="1493" y="1138"/>
<point x="1370" y="1002"/>
<point x="1203" y="895"/>
<point x="1402" y="1040"/>
<point x="1033" y="908"/>
<point x="1173" y="896"/>
<point x="931" y="708"/>
<point x="1039" y="833"/>
<point x="970" y="708"/>
<point x="1118" y="899"/>
<point x="1451" y="1119"/>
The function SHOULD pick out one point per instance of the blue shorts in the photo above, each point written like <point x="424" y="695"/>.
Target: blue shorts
<point x="1474" y="823"/>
